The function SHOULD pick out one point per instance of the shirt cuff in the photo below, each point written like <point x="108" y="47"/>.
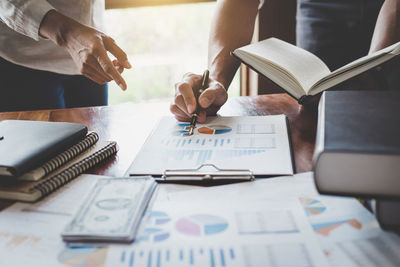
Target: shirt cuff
<point x="28" y="17"/>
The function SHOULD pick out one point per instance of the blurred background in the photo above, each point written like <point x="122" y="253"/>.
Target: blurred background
<point x="165" y="39"/>
<point x="163" y="43"/>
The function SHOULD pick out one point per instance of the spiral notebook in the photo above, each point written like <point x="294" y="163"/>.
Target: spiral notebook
<point x="61" y="159"/>
<point x="31" y="191"/>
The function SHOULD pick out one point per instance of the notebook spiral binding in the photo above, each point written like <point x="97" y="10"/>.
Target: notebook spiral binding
<point x="70" y="153"/>
<point x="55" y="182"/>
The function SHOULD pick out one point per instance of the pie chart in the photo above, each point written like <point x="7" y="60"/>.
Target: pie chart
<point x="312" y="206"/>
<point x="201" y="224"/>
<point x="215" y="129"/>
<point x="183" y="129"/>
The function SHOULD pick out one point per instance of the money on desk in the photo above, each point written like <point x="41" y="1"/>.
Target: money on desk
<point x="112" y="211"/>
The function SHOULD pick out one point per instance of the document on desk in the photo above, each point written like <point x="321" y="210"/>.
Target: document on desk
<point x="348" y="233"/>
<point x="30" y="232"/>
<point x="222" y="234"/>
<point x="269" y="222"/>
<point x="260" y="144"/>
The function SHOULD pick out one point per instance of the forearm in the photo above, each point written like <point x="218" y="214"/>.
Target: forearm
<point x="387" y="29"/>
<point x="55" y="26"/>
<point x="24" y="16"/>
<point x="232" y="27"/>
<point x="62" y="30"/>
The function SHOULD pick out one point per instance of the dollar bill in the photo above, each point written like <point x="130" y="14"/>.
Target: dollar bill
<point x="112" y="211"/>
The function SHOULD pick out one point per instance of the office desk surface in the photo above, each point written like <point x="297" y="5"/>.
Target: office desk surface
<point x="130" y="124"/>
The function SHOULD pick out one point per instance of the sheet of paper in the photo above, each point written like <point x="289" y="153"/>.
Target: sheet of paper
<point x="222" y="234"/>
<point x="348" y="233"/>
<point x="258" y="143"/>
<point x="30" y="233"/>
<point x="174" y="234"/>
<point x="261" y="225"/>
<point x="261" y="189"/>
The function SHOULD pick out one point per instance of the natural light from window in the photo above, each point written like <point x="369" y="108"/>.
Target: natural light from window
<point x="163" y="43"/>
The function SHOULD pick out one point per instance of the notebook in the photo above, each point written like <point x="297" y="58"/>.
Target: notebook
<point x="26" y="144"/>
<point x="31" y="191"/>
<point x="299" y="72"/>
<point x="61" y="159"/>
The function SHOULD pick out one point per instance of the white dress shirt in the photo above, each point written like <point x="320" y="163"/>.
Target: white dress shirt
<point x="20" y="42"/>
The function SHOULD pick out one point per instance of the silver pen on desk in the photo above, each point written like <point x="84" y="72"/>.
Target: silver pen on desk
<point x="195" y="115"/>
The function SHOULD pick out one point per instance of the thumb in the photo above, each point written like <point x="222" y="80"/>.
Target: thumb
<point x="207" y="98"/>
<point x="214" y="95"/>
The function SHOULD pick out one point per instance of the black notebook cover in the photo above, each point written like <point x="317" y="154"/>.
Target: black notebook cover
<point x="27" y="144"/>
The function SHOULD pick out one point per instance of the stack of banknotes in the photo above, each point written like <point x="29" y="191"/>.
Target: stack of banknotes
<point x="112" y="211"/>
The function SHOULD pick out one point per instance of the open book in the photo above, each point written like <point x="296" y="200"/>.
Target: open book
<point x="300" y="72"/>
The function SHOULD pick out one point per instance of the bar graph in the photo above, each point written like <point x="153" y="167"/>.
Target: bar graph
<point x="199" y="156"/>
<point x="159" y="257"/>
<point x="277" y="255"/>
<point x="197" y="142"/>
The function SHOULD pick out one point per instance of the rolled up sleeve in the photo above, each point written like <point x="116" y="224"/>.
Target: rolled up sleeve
<point x="24" y="16"/>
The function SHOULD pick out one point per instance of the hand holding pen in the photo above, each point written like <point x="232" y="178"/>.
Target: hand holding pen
<point x="186" y="99"/>
<point x="195" y="114"/>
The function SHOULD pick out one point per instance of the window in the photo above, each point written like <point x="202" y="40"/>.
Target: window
<point x="163" y="43"/>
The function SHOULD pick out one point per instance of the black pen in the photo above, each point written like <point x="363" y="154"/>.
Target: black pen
<point x="195" y="115"/>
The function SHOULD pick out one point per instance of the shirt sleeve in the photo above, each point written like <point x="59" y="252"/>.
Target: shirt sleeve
<point x="262" y="2"/>
<point x="24" y="16"/>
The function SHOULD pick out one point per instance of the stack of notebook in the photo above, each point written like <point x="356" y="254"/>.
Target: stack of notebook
<point x="37" y="158"/>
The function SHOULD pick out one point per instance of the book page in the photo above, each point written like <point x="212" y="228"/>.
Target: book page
<point x="355" y="67"/>
<point x="259" y="144"/>
<point x="294" y="63"/>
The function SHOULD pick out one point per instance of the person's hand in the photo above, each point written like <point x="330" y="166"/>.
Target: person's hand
<point x="210" y="100"/>
<point x="87" y="47"/>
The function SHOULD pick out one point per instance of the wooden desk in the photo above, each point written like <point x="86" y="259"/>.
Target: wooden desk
<point x="129" y="125"/>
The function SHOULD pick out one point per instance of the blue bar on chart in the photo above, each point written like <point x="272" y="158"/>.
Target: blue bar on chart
<point x="237" y="153"/>
<point x="200" y="156"/>
<point x="193" y="143"/>
<point x="153" y="257"/>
